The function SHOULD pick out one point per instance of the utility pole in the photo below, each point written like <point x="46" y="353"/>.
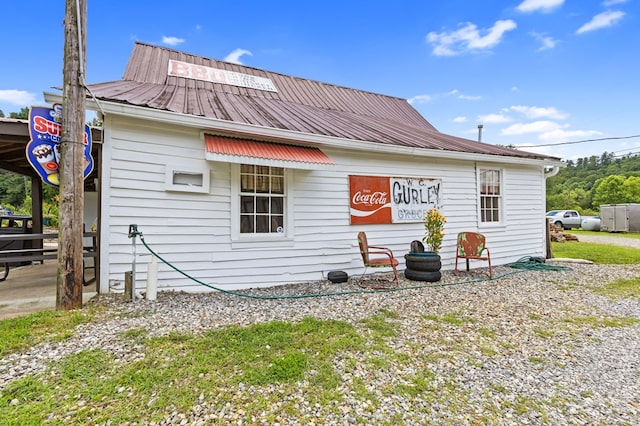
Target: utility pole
<point x="69" y="280"/>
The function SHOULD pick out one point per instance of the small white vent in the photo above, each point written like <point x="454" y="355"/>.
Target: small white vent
<point x="181" y="180"/>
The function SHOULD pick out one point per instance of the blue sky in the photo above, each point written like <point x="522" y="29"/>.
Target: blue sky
<point x="532" y="72"/>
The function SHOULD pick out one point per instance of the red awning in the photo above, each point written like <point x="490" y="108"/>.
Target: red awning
<point x="231" y="150"/>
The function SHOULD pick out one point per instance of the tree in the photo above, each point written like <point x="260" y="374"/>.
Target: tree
<point x="12" y="189"/>
<point x="632" y="189"/>
<point x="94" y="122"/>
<point x="22" y="115"/>
<point x="609" y="190"/>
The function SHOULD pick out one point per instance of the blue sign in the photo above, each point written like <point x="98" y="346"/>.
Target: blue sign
<point x="43" y="151"/>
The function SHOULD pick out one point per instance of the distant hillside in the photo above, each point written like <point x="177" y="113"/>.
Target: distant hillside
<point x="589" y="182"/>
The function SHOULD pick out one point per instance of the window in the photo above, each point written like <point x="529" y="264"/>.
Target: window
<point x="262" y="199"/>
<point x="490" y="195"/>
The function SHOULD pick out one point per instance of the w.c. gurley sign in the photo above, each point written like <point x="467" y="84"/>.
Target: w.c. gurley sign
<point x="215" y="75"/>
<point x="379" y="199"/>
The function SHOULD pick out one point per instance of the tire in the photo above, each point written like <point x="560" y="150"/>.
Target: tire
<point x="337" y="277"/>
<point x="559" y="224"/>
<point x="5" y="274"/>
<point x="423" y="263"/>
<point x="413" y="275"/>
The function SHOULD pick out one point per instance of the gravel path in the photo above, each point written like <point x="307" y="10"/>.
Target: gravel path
<point x="530" y="347"/>
<point x="607" y="238"/>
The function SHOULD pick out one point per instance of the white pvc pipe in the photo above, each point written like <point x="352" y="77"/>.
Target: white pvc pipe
<point x="152" y="279"/>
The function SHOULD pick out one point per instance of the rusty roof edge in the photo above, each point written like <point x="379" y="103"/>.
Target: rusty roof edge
<point x="269" y="133"/>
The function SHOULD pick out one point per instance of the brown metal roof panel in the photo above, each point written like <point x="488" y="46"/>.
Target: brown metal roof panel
<point x="150" y="63"/>
<point x="295" y="117"/>
<point x="298" y="105"/>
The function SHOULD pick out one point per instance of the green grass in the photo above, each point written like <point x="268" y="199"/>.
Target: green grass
<point x="597" y="253"/>
<point x="598" y="322"/>
<point x="456" y="318"/>
<point x="604" y="254"/>
<point x="29" y="330"/>
<point x="621" y="289"/>
<point x="94" y="387"/>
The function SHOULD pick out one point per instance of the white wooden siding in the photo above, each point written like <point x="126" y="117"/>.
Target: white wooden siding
<point x="193" y="230"/>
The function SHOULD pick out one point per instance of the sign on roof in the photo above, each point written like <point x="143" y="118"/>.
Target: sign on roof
<point x="215" y="75"/>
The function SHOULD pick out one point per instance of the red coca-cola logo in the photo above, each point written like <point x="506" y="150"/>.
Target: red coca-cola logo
<point x="377" y="198"/>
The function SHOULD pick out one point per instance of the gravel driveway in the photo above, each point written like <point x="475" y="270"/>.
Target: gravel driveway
<point x="607" y="238"/>
<point x="529" y="347"/>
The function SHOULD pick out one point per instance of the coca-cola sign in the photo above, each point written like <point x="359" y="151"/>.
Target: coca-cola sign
<point x="380" y="199"/>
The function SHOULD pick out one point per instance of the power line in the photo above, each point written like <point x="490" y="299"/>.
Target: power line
<point x="582" y="141"/>
<point x="630" y="149"/>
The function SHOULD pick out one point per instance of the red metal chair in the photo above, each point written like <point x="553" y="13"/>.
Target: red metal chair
<point x="471" y="246"/>
<point x="382" y="256"/>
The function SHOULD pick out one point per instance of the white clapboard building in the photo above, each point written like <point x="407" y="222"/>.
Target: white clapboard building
<point x="242" y="177"/>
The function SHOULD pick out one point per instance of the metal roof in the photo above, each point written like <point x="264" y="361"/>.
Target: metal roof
<point x="297" y="104"/>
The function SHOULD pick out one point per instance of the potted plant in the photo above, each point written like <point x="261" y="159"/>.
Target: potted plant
<point x="434" y="228"/>
<point x="425" y="265"/>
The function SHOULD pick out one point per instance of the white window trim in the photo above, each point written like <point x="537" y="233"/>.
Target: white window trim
<point x="502" y="203"/>
<point x="200" y="173"/>
<point x="236" y="235"/>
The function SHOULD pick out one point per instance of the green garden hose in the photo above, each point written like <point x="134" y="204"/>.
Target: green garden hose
<point x="133" y="230"/>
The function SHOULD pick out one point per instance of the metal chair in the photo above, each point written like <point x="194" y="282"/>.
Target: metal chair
<point x="471" y="246"/>
<point x="382" y="256"/>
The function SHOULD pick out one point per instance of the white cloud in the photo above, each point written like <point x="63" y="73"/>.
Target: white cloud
<point x="559" y="135"/>
<point x="494" y="119"/>
<point x="601" y="20"/>
<point x="546" y="42"/>
<point x="543" y="126"/>
<point x="460" y="119"/>
<point x="539" y="5"/>
<point x="234" y="56"/>
<point x="172" y="41"/>
<point x="468" y="37"/>
<point x="608" y="3"/>
<point x="420" y="99"/>
<point x="534" y="112"/>
<point x="17" y="97"/>
<point x="457" y="94"/>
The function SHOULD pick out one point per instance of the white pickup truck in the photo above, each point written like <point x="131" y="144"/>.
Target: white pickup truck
<point x="566" y="219"/>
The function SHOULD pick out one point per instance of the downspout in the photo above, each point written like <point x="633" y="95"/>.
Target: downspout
<point x="551" y="173"/>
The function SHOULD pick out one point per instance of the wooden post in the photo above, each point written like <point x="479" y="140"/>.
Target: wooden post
<point x="69" y="280"/>
<point x="548" y="232"/>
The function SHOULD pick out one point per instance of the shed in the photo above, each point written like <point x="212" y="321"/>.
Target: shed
<point x="242" y="177"/>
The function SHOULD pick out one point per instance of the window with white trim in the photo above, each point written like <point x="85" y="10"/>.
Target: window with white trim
<point x="262" y="199"/>
<point x="490" y="195"/>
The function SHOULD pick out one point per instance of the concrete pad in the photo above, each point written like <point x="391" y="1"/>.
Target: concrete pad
<point x="33" y="288"/>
